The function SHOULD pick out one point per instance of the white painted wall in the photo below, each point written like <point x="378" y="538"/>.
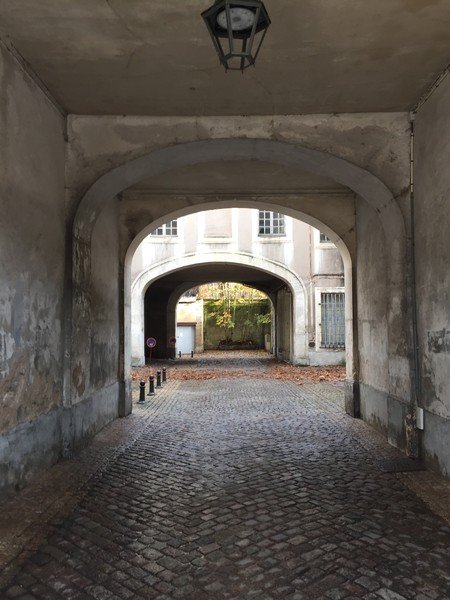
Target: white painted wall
<point x="235" y="231"/>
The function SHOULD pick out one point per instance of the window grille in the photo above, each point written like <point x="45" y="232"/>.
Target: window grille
<point x="324" y="239"/>
<point x="333" y="320"/>
<point x="271" y="223"/>
<point x="168" y="229"/>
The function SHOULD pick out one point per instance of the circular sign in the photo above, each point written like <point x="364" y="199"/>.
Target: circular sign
<point x="173" y="341"/>
<point x="151" y="343"/>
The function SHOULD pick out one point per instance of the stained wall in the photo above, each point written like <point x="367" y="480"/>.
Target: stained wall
<point x="32" y="255"/>
<point x="432" y="253"/>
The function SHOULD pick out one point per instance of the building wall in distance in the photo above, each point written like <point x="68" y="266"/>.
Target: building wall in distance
<point x="237" y="230"/>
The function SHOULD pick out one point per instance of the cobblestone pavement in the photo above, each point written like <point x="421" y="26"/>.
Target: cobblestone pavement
<point x="240" y="488"/>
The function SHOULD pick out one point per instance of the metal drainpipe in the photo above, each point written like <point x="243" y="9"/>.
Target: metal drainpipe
<point x="413" y="439"/>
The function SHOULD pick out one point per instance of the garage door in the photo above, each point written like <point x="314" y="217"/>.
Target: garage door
<point x="185" y="339"/>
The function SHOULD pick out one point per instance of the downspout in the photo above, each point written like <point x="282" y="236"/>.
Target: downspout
<point x="415" y="420"/>
<point x="412" y="420"/>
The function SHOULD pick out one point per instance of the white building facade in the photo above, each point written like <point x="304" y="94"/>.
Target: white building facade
<point x="298" y="267"/>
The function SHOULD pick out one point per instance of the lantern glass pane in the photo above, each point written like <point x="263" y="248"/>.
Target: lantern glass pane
<point x="241" y="18"/>
<point x="237" y="29"/>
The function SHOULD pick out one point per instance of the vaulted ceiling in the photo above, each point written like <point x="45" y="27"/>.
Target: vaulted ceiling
<point x="155" y="57"/>
<point x="209" y="273"/>
<point x="243" y="176"/>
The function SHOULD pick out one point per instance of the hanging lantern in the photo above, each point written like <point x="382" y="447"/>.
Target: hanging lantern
<point x="237" y="30"/>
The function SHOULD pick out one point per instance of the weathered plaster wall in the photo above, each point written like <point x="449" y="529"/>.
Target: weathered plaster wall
<point x="432" y="218"/>
<point x="326" y="261"/>
<point x="283" y="316"/>
<point x="105" y="340"/>
<point x="372" y="317"/>
<point x="32" y="248"/>
<point x="385" y="381"/>
<point x="376" y="142"/>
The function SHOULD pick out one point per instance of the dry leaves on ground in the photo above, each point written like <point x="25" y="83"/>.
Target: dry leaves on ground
<point x="196" y="372"/>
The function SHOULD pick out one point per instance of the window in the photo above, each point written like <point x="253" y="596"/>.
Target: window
<point x="271" y="223"/>
<point x="333" y="320"/>
<point x="168" y="229"/>
<point x="324" y="239"/>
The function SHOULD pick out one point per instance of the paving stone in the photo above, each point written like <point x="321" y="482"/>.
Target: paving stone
<point x="15" y="591"/>
<point x="243" y="488"/>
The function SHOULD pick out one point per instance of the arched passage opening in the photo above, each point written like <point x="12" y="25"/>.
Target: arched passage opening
<point x="222" y="315"/>
<point x="294" y="314"/>
<point x="167" y="281"/>
<point x="218" y="311"/>
<point x="380" y="335"/>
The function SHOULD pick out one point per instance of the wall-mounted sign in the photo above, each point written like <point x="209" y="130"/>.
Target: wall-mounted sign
<point x="151" y="343"/>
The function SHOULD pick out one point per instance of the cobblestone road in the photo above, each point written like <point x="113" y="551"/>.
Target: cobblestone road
<point x="239" y="488"/>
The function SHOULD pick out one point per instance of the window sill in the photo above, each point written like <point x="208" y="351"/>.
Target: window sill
<point x="163" y="239"/>
<point x="268" y="239"/>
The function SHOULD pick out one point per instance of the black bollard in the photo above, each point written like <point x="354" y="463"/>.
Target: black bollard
<point x="158" y="379"/>
<point x="192" y="354"/>
<point x="164" y="375"/>
<point x="151" y="381"/>
<point x="142" y="392"/>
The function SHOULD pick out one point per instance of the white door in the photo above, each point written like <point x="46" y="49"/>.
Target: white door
<point x="185" y="339"/>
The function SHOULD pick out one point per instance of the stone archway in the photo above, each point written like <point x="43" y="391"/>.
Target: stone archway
<point x="299" y="339"/>
<point x="368" y="187"/>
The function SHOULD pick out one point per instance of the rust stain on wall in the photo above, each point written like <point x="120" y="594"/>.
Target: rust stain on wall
<point x="25" y="395"/>
<point x="439" y="341"/>
<point x="78" y="379"/>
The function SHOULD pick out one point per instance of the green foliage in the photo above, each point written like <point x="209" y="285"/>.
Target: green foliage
<point x="264" y="319"/>
<point x="236" y="313"/>
<point x="225" y="320"/>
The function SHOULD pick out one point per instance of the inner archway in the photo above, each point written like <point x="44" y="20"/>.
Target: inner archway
<point x="178" y="275"/>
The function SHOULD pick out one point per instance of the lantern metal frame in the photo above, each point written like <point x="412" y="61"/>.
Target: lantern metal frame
<point x="243" y="56"/>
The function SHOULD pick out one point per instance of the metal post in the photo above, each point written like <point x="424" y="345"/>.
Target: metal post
<point x="151" y="380"/>
<point x="164" y="375"/>
<point x="158" y="379"/>
<point x="142" y="392"/>
<point x="192" y="354"/>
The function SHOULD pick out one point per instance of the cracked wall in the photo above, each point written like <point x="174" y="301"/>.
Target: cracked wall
<point x="32" y="248"/>
<point x="376" y="142"/>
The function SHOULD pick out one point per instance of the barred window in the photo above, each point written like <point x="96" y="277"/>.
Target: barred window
<point x="168" y="229"/>
<point x="271" y="223"/>
<point x="324" y="239"/>
<point x="333" y="320"/>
